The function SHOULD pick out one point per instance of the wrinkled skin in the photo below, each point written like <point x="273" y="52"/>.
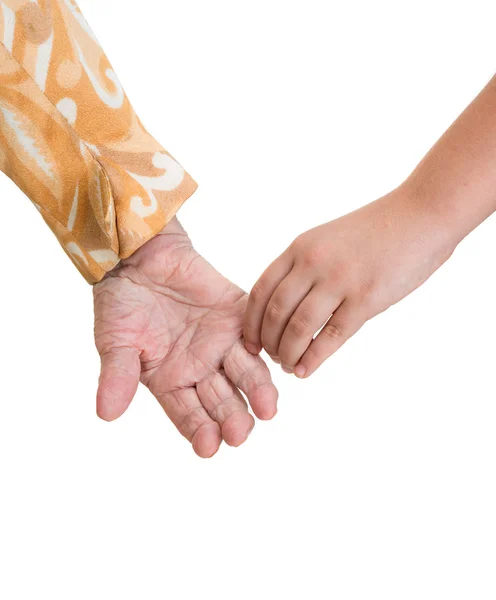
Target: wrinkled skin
<point x="167" y="318"/>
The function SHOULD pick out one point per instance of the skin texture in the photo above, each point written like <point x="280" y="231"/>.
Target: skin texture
<point x="167" y="318"/>
<point x="341" y="274"/>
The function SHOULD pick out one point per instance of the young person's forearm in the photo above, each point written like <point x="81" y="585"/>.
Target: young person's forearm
<point x="456" y="181"/>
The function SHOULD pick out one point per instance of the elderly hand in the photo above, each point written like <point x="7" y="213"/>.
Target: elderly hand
<point x="167" y="318"/>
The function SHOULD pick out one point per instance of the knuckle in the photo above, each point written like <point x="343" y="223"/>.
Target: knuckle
<point x="299" y="245"/>
<point x="224" y="409"/>
<point x="273" y="312"/>
<point x="190" y="422"/>
<point x="257" y="292"/>
<point x="340" y="272"/>
<point x="332" y="333"/>
<point x="314" y="255"/>
<point x="299" y="326"/>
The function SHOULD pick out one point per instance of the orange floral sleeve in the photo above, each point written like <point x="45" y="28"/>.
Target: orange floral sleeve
<point x="71" y="141"/>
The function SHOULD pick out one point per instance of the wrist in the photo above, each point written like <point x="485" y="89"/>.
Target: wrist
<point x="172" y="236"/>
<point x="454" y="205"/>
<point x="435" y="213"/>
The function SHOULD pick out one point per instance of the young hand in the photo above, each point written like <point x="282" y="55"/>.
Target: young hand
<point x="339" y="275"/>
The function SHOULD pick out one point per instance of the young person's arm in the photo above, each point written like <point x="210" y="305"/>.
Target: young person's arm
<point x="357" y="266"/>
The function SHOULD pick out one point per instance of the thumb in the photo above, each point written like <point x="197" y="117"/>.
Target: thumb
<point x="119" y="378"/>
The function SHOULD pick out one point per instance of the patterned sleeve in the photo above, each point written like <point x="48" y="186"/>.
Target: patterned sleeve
<point x="71" y="141"/>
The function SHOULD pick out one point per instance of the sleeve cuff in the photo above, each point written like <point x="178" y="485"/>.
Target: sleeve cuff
<point x="71" y="140"/>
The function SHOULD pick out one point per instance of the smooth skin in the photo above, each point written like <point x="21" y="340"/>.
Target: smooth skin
<point x="334" y="278"/>
<point x="167" y="318"/>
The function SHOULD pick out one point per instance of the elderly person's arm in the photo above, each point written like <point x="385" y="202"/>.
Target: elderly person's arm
<point x="71" y="141"/>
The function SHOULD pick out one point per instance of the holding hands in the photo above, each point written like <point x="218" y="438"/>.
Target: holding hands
<point x="166" y="317"/>
<point x="163" y="316"/>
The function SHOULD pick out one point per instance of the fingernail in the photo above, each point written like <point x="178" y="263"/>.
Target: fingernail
<point x="252" y="348"/>
<point x="276" y="360"/>
<point x="300" y="371"/>
<point x="287" y="369"/>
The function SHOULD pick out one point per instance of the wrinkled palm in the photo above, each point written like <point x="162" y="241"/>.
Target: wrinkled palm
<point x="167" y="318"/>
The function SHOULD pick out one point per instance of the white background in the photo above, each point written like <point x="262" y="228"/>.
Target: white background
<point x="377" y="478"/>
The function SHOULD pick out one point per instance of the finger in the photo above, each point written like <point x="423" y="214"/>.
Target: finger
<point x="259" y="298"/>
<point x="184" y="409"/>
<point x="307" y="319"/>
<point x="224" y="404"/>
<point x="250" y="374"/>
<point x="344" y="323"/>
<point x="283" y="303"/>
<point x="119" y="379"/>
